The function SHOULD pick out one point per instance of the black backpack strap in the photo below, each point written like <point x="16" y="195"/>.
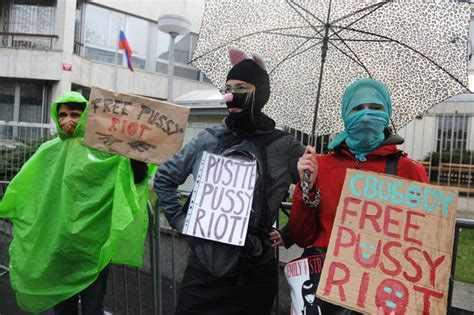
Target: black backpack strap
<point x="391" y="166"/>
<point x="261" y="142"/>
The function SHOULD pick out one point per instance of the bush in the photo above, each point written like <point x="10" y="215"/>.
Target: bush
<point x="14" y="155"/>
<point x="450" y="156"/>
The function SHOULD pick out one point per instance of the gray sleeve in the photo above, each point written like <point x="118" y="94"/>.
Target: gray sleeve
<point x="170" y="175"/>
<point x="296" y="150"/>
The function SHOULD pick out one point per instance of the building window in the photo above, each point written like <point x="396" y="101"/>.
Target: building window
<point x="7" y="100"/>
<point x="101" y="34"/>
<point x="183" y="50"/>
<point x="23" y="102"/>
<point x="85" y="91"/>
<point x="102" y="27"/>
<point x="137" y="34"/>
<point x="31" y="102"/>
<point x="36" y="17"/>
<point x="78" y="38"/>
<point x="452" y="132"/>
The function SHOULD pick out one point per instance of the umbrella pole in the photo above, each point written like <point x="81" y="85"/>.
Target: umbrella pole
<point x="312" y="142"/>
<point x="324" y="50"/>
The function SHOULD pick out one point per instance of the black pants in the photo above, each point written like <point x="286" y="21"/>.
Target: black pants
<point x="249" y="292"/>
<point x="92" y="298"/>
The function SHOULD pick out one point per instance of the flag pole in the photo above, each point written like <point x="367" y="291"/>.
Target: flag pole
<point x="116" y="56"/>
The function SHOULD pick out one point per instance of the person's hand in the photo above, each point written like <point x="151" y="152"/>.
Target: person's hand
<point x="275" y="238"/>
<point x="308" y="162"/>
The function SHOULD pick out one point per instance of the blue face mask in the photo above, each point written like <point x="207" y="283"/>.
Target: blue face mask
<point x="365" y="131"/>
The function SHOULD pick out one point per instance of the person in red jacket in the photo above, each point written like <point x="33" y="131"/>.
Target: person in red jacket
<point x="366" y="144"/>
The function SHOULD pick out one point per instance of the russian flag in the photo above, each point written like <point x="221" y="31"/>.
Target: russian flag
<point x="123" y="44"/>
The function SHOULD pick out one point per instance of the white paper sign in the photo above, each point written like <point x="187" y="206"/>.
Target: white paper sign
<point x="303" y="291"/>
<point x="220" y="205"/>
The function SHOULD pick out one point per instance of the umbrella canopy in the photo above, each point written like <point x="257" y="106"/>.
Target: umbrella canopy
<point x="314" y="49"/>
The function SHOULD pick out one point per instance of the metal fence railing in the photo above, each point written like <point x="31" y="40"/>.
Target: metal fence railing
<point x="130" y="290"/>
<point x="18" y="142"/>
<point x="153" y="289"/>
<point x="148" y="291"/>
<point x="460" y="224"/>
<point x="28" y="41"/>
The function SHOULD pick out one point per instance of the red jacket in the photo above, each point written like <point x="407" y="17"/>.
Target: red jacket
<point x="312" y="227"/>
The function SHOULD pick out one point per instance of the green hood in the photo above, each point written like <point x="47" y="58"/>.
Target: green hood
<point x="70" y="97"/>
<point x="74" y="210"/>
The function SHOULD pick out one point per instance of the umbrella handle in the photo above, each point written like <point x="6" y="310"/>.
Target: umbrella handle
<point x="305" y="190"/>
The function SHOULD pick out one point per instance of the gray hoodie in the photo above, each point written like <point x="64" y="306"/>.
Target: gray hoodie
<point x="282" y="156"/>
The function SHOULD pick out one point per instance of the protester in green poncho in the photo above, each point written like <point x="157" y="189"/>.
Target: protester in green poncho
<point x="74" y="210"/>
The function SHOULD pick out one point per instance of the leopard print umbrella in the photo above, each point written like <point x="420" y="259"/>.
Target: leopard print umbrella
<point x="417" y="48"/>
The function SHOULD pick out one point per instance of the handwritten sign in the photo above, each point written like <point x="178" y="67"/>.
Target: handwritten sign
<point x="300" y="274"/>
<point x="390" y="246"/>
<point x="136" y="127"/>
<point x="221" y="200"/>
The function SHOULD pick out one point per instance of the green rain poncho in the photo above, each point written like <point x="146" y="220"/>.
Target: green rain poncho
<point x="74" y="210"/>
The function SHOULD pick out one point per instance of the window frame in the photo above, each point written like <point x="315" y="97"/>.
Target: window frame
<point x="452" y="132"/>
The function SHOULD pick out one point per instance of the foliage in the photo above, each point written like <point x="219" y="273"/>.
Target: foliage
<point x="465" y="256"/>
<point x="450" y="156"/>
<point x="14" y="155"/>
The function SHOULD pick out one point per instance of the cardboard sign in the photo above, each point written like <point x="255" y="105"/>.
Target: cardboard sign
<point x="136" y="127"/>
<point x="221" y="201"/>
<point x="299" y="274"/>
<point x="390" y="246"/>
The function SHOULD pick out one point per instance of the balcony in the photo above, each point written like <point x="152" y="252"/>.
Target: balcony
<point x="28" y="41"/>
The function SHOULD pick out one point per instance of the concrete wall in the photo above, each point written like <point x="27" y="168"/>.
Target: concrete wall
<point x="420" y="137"/>
<point x="30" y="64"/>
<point x="153" y="9"/>
<point x="47" y="65"/>
<point x="150" y="84"/>
<point x="420" y="134"/>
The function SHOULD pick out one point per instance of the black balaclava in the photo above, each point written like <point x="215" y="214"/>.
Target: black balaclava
<point x="251" y="118"/>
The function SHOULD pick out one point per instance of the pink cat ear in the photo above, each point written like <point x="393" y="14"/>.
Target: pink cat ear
<point x="259" y="61"/>
<point x="236" y="56"/>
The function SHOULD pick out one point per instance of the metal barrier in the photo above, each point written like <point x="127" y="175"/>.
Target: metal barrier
<point x="147" y="291"/>
<point x="133" y="290"/>
<point x="140" y="291"/>
<point x="5" y="238"/>
<point x="18" y="142"/>
<point x="130" y="290"/>
<point x="460" y="224"/>
<point x="28" y="41"/>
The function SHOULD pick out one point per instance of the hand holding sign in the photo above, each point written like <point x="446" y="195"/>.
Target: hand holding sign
<point x="136" y="127"/>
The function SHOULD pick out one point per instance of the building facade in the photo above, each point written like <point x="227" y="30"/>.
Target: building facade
<point x="48" y="47"/>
